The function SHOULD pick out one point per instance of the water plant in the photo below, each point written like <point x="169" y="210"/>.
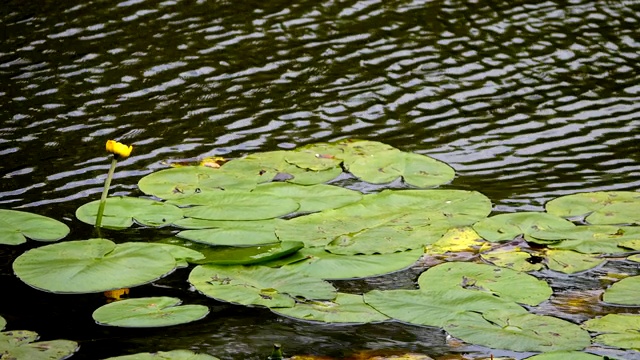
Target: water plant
<point x="119" y="151"/>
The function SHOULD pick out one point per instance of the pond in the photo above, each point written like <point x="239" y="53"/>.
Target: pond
<point x="526" y="100"/>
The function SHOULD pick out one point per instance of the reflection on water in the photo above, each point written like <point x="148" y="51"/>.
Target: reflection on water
<point x="526" y="100"/>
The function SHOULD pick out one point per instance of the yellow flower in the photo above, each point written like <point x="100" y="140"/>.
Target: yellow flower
<point x="118" y="149"/>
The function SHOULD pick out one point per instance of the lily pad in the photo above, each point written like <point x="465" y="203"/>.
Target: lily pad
<point x="433" y="308"/>
<point x="384" y="240"/>
<point x="181" y="254"/>
<point x="3" y="323"/>
<point x="624" y="292"/>
<point x="16" y="226"/>
<point x="602" y="207"/>
<point x="148" y="312"/>
<point x="617" y="330"/>
<point x="501" y="282"/>
<point x="570" y="262"/>
<point x="502" y="329"/>
<point x="120" y="212"/>
<point x="515" y="259"/>
<point x="166" y="355"/>
<point x="233" y="233"/>
<point x="345" y="308"/>
<point x="187" y="180"/>
<point x="249" y="255"/>
<point x="311" y="198"/>
<point x="258" y="285"/>
<point x="236" y="205"/>
<point x="508" y="226"/>
<point x="321" y="264"/>
<point x="94" y="265"/>
<point x="457" y="239"/>
<point x="19" y="344"/>
<point x="564" y="355"/>
<point x="590" y="239"/>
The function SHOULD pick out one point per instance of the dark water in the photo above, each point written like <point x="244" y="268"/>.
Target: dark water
<point x="526" y="100"/>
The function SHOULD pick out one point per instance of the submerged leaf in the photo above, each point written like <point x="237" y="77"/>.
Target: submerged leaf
<point x="148" y="312"/>
<point x="16" y="226"/>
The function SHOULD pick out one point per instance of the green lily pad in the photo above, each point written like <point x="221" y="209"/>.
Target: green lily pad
<point x="384" y="240"/>
<point x="347" y="151"/>
<point x="310" y="160"/>
<point x="515" y="259"/>
<point x="508" y="226"/>
<point x="345" y="308"/>
<point x="271" y="164"/>
<point x="16" y="226"/>
<point x="570" y="262"/>
<point x="502" y="282"/>
<point x="3" y="323"/>
<point x="433" y="308"/>
<point x="233" y="233"/>
<point x="321" y="264"/>
<point x="564" y="355"/>
<point x="590" y="239"/>
<point x="19" y="344"/>
<point x="183" y="181"/>
<point x="311" y="198"/>
<point x="617" y="330"/>
<point x="120" y="212"/>
<point x="148" y="312"/>
<point x="624" y="292"/>
<point x="249" y="255"/>
<point x="415" y="169"/>
<point x="94" y="265"/>
<point x="166" y="355"/>
<point x="258" y="285"/>
<point x="236" y="205"/>
<point x="502" y="329"/>
<point x="602" y="207"/>
<point x="181" y="254"/>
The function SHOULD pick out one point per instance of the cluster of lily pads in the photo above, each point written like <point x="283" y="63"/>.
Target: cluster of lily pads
<point x="272" y="229"/>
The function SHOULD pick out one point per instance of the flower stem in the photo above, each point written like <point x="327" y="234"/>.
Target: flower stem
<point x="105" y="191"/>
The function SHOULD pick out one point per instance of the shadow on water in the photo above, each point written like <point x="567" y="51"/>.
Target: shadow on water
<point x="526" y="100"/>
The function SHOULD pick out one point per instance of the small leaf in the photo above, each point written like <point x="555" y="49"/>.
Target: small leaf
<point x="148" y="312"/>
<point x="16" y="225"/>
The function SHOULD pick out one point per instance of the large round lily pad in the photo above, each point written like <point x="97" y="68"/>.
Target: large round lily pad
<point x="617" y="330"/>
<point x="502" y="282"/>
<point x="166" y="355"/>
<point x="20" y="344"/>
<point x="602" y="207"/>
<point x="589" y="239"/>
<point x="507" y="226"/>
<point x="502" y="329"/>
<point x="258" y="285"/>
<point x="148" y="312"/>
<point x="345" y="308"/>
<point x="187" y="180"/>
<point x="311" y="197"/>
<point x="16" y="226"/>
<point x="94" y="265"/>
<point x="120" y="212"/>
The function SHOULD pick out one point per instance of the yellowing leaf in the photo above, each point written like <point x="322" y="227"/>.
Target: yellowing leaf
<point x="456" y="240"/>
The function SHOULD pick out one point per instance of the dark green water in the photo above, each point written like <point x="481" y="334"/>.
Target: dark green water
<point x="526" y="100"/>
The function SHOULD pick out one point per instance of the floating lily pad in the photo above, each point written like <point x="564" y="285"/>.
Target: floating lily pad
<point x="258" y="285"/>
<point x="166" y="355"/>
<point x="94" y="265"/>
<point x="345" y="308"/>
<point x="502" y="282"/>
<point x="457" y="239"/>
<point x="148" y="312"/>
<point x="120" y="212"/>
<point x="187" y="180"/>
<point x="19" y="344"/>
<point x="508" y="226"/>
<point x="236" y="205"/>
<point x="433" y="308"/>
<point x="384" y="240"/>
<point x="617" y="330"/>
<point x="311" y="198"/>
<point x="310" y="160"/>
<point x="515" y="259"/>
<point x="321" y="264"/>
<point x="16" y="226"/>
<point x="517" y="331"/>
<point x="602" y="207"/>
<point x="624" y="292"/>
<point x="564" y="355"/>
<point x="181" y="254"/>
<point x="591" y="239"/>
<point x="570" y="262"/>
<point x="249" y="255"/>
<point x="232" y="233"/>
<point x="3" y="323"/>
